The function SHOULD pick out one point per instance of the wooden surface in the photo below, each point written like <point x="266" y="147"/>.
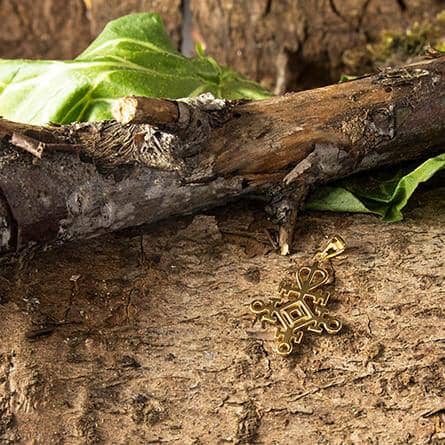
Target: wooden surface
<point x="154" y="342"/>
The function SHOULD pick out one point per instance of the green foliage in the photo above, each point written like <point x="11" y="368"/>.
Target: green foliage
<point x="346" y="78"/>
<point x="397" y="46"/>
<point x="132" y="56"/>
<point x="411" y="42"/>
<point x="384" y="193"/>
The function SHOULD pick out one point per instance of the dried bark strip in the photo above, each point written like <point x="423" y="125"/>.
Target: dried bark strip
<point x="122" y="175"/>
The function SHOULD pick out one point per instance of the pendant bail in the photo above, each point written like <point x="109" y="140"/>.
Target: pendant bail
<point x="335" y="247"/>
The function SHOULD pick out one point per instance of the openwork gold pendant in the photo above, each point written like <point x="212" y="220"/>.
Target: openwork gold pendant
<point x="301" y="305"/>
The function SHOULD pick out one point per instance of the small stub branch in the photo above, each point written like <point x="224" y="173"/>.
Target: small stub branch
<point x="145" y="110"/>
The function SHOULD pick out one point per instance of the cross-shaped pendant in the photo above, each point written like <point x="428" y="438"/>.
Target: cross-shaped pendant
<point x="301" y="305"/>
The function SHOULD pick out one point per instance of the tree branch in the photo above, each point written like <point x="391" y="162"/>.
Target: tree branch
<point x="177" y="157"/>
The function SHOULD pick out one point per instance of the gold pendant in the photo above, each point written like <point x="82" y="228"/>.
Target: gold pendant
<point x="301" y="305"/>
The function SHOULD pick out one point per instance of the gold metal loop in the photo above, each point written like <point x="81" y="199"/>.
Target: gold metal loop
<point x="335" y="247"/>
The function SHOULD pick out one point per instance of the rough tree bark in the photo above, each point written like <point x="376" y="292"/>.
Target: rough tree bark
<point x="51" y="29"/>
<point x="296" y="44"/>
<point x="174" y="158"/>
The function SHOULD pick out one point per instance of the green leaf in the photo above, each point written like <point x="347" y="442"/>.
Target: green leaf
<point x="346" y="78"/>
<point x="385" y="193"/>
<point x="132" y="56"/>
<point x="336" y="199"/>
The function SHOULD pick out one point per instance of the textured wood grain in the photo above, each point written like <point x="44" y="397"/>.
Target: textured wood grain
<point x="155" y="342"/>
